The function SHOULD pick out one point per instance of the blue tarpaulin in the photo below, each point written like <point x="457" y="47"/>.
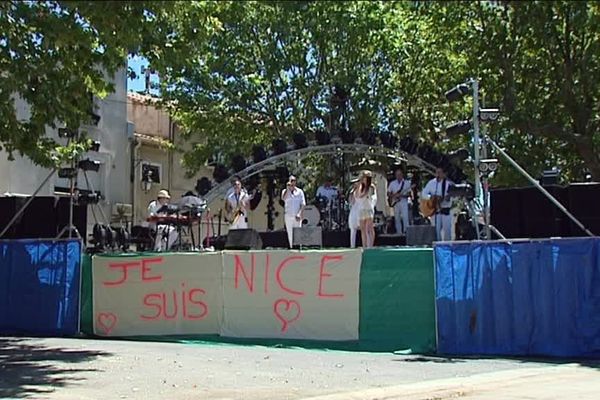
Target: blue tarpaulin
<point x="519" y="298"/>
<point x="39" y="287"/>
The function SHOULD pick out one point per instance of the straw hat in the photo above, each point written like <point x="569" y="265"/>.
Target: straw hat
<point x="163" y="194"/>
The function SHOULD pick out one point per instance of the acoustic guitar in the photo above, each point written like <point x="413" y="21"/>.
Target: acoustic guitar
<point x="429" y="207"/>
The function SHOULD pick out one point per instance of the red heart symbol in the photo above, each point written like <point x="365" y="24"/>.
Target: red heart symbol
<point x="106" y="322"/>
<point x="287" y="311"/>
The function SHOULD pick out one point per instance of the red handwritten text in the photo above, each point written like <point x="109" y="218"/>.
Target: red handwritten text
<point x="143" y="265"/>
<point x="175" y="304"/>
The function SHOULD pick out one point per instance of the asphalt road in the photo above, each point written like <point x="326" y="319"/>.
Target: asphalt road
<point x="107" y="369"/>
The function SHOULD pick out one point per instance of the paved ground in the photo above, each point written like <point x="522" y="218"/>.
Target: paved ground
<point x="61" y="369"/>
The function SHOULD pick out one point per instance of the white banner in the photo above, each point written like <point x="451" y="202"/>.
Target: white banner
<point x="157" y="295"/>
<point x="261" y="294"/>
<point x="287" y="294"/>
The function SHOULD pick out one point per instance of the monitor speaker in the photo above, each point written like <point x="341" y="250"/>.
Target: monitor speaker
<point x="308" y="236"/>
<point x="243" y="239"/>
<point x="420" y="235"/>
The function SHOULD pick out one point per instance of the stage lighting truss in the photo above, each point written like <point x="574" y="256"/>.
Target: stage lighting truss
<point x="334" y="149"/>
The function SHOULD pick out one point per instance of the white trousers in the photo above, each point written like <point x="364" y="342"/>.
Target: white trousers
<point x="241" y="224"/>
<point x="401" y="217"/>
<point x="443" y="226"/>
<point x="290" y="224"/>
<point x="166" y="236"/>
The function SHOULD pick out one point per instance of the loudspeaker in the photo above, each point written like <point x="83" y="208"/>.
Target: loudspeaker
<point x="420" y="235"/>
<point x="243" y="239"/>
<point x="308" y="236"/>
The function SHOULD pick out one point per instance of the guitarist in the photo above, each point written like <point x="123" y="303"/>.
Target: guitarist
<point x="437" y="189"/>
<point x="398" y="194"/>
<point x="237" y="205"/>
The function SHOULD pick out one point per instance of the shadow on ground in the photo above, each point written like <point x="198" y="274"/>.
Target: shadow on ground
<point x="29" y="370"/>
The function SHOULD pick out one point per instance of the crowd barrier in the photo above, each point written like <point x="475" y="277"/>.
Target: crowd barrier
<point x="520" y="298"/>
<point x="39" y="287"/>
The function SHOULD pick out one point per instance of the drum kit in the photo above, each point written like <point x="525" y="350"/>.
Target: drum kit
<point x="331" y="213"/>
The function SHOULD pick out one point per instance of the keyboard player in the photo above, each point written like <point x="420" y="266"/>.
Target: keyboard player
<point x="166" y="235"/>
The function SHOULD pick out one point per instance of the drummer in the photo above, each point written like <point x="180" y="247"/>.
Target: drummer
<point x="328" y="191"/>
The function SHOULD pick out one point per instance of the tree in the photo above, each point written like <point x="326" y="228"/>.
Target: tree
<point x="56" y="54"/>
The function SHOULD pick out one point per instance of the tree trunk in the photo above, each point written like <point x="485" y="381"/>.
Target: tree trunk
<point x="585" y="148"/>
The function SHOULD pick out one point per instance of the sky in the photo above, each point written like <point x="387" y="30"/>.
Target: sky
<point x="138" y="63"/>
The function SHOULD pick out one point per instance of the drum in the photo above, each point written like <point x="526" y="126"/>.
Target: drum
<point x="311" y="216"/>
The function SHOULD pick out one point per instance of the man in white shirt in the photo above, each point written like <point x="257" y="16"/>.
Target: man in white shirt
<point x="398" y="194"/>
<point x="166" y="234"/>
<point x="294" y="200"/>
<point x="442" y="219"/>
<point x="237" y="205"/>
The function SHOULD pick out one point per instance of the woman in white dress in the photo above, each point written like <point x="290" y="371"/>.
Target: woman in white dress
<point x="365" y="198"/>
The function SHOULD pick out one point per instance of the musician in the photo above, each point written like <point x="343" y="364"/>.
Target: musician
<point x="438" y="187"/>
<point x="327" y="191"/>
<point x="237" y="205"/>
<point x="365" y="198"/>
<point x="399" y="191"/>
<point x="166" y="235"/>
<point x="294" y="200"/>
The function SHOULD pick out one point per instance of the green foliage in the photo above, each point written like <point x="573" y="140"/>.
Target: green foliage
<point x="54" y="55"/>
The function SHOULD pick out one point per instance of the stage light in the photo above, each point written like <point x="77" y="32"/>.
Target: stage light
<point x="464" y="190"/>
<point x="259" y="153"/>
<point x="94" y="146"/>
<point x="458" y="128"/>
<point x="89" y="198"/>
<point x="489" y="114"/>
<point x="238" y="163"/>
<point x="456" y="93"/>
<point x="458" y="156"/>
<point x="300" y="140"/>
<point x="279" y="146"/>
<point x="323" y="137"/>
<point x="203" y="186"/>
<point x="67" y="173"/>
<point x="550" y="177"/>
<point x="368" y="137"/>
<point x="220" y="173"/>
<point x="89" y="165"/>
<point x="488" y="166"/>
<point x="347" y="136"/>
<point x="408" y="145"/>
<point x="388" y="139"/>
<point x="66" y="133"/>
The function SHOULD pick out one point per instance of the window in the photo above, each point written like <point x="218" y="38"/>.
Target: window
<point x="151" y="172"/>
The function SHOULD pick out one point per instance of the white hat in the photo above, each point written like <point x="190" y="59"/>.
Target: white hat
<point x="163" y="194"/>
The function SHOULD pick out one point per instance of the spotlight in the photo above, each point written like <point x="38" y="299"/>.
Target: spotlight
<point x="89" y="198"/>
<point x="489" y="165"/>
<point x="67" y="173"/>
<point x="238" y="163"/>
<point x="66" y="133"/>
<point x="368" y="137"/>
<point x="456" y="93"/>
<point x="462" y="190"/>
<point x="279" y="146"/>
<point x="408" y="145"/>
<point x="458" y="128"/>
<point x="347" y="136"/>
<point x="323" y="137"/>
<point x="550" y="177"/>
<point x="220" y="173"/>
<point x="300" y="140"/>
<point x="458" y="156"/>
<point x="203" y="186"/>
<point x="94" y="146"/>
<point x="89" y="165"/>
<point x="489" y="114"/>
<point x="259" y="153"/>
<point x="388" y="139"/>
